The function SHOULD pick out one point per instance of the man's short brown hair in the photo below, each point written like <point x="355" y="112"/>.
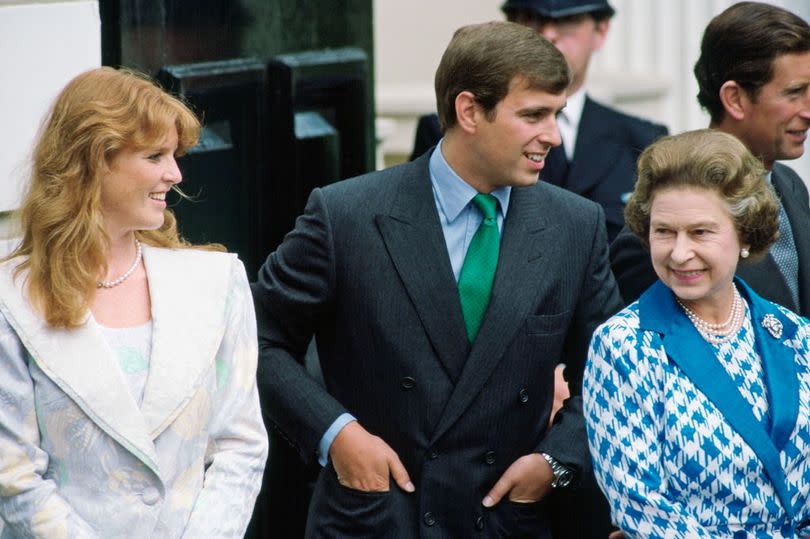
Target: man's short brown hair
<point x="484" y="59"/>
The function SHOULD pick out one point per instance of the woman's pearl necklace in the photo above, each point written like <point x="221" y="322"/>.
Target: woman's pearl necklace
<point x="121" y="279"/>
<point x="718" y="333"/>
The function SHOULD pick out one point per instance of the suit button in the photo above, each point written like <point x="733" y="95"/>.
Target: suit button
<point x="433" y="454"/>
<point x="150" y="496"/>
<point x="408" y="383"/>
<point x="489" y="457"/>
<point x="479" y="523"/>
<point x="523" y="395"/>
<point x="429" y="519"/>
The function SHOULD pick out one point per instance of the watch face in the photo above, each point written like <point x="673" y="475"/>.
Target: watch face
<point x="564" y="479"/>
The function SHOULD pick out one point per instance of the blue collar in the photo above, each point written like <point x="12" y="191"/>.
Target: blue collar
<point x="452" y="192"/>
<point x="659" y="312"/>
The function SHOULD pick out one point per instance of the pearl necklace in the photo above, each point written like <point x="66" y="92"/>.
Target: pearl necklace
<point x="122" y="278"/>
<point x="718" y="333"/>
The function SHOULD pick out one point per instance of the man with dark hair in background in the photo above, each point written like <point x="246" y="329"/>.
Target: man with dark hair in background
<point x="753" y="76"/>
<point x="442" y="294"/>
<point x="597" y="157"/>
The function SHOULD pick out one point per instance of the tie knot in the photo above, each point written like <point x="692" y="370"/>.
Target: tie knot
<point x="488" y="205"/>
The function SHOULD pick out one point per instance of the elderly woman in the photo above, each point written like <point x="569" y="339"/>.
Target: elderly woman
<point x="697" y="396"/>
<point x="128" y="401"/>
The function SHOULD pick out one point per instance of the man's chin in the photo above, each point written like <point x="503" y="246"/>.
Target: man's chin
<point x="529" y="181"/>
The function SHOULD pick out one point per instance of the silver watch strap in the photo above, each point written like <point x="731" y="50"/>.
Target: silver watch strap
<point x="562" y="474"/>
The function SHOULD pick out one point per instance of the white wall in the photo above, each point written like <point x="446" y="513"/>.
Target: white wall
<point x="409" y="39"/>
<point x="645" y="67"/>
<point x="659" y="40"/>
<point x="42" y="46"/>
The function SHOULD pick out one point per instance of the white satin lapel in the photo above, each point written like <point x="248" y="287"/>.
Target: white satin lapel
<point x="82" y="364"/>
<point x="188" y="290"/>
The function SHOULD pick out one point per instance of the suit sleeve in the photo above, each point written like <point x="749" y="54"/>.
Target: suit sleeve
<point x="30" y="504"/>
<point x="631" y="265"/>
<point x="645" y="133"/>
<point x="294" y="290"/>
<point x="803" y="195"/>
<point x="598" y="299"/>
<point x="237" y="446"/>
<point x="629" y="259"/>
<point x="622" y="403"/>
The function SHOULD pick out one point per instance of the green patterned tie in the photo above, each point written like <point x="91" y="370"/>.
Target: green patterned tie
<point x="478" y="271"/>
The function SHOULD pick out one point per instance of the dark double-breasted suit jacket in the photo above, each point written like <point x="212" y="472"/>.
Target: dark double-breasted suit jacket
<point x="366" y="270"/>
<point x="603" y="168"/>
<point x="633" y="269"/>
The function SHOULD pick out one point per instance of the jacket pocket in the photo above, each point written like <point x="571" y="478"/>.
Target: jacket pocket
<point x="547" y="324"/>
<point x="337" y="511"/>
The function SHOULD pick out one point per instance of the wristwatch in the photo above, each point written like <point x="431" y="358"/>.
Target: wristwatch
<point x="562" y="475"/>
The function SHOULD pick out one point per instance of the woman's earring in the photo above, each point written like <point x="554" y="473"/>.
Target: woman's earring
<point x="744" y="252"/>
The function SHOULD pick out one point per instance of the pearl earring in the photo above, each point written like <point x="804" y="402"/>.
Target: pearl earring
<point x="744" y="252"/>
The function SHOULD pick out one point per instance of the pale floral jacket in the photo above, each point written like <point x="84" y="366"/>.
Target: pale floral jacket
<point x="80" y="458"/>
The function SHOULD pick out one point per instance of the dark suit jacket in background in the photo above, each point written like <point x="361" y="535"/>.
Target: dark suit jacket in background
<point x="633" y="269"/>
<point x="603" y="168"/>
<point x="367" y="271"/>
<point x="428" y="134"/>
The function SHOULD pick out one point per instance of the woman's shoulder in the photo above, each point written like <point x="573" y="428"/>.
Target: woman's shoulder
<point x="620" y="333"/>
<point x="624" y="345"/>
<point x="200" y="259"/>
<point x="801" y="323"/>
<point x="625" y="322"/>
<point x="796" y="318"/>
<point x="190" y="252"/>
<point x="192" y="265"/>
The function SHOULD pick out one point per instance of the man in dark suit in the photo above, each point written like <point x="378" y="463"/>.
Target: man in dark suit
<point x="442" y="294"/>
<point x="753" y="76"/>
<point x="597" y="158"/>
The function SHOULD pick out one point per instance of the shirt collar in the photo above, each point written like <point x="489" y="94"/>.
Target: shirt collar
<point x="574" y="104"/>
<point x="452" y="192"/>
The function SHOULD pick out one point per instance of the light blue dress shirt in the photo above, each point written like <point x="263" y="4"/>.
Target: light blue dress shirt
<point x="460" y="220"/>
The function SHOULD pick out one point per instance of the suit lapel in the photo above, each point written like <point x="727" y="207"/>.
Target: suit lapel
<point x="415" y="242"/>
<point x="189" y="292"/>
<point x="514" y="295"/>
<point x="592" y="152"/>
<point x="82" y="364"/>
<point x="695" y="357"/>
<point x="765" y="276"/>
<point x="796" y="207"/>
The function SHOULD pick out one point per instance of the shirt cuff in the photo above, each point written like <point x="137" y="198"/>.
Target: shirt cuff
<point x="330" y="435"/>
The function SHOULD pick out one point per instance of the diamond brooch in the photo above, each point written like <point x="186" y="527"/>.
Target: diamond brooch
<point x="773" y="325"/>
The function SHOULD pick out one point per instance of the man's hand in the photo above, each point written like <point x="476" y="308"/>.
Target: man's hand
<point x="365" y="462"/>
<point x="527" y="480"/>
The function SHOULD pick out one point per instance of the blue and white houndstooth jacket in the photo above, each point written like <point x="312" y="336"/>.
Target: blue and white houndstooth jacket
<point x="687" y="442"/>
